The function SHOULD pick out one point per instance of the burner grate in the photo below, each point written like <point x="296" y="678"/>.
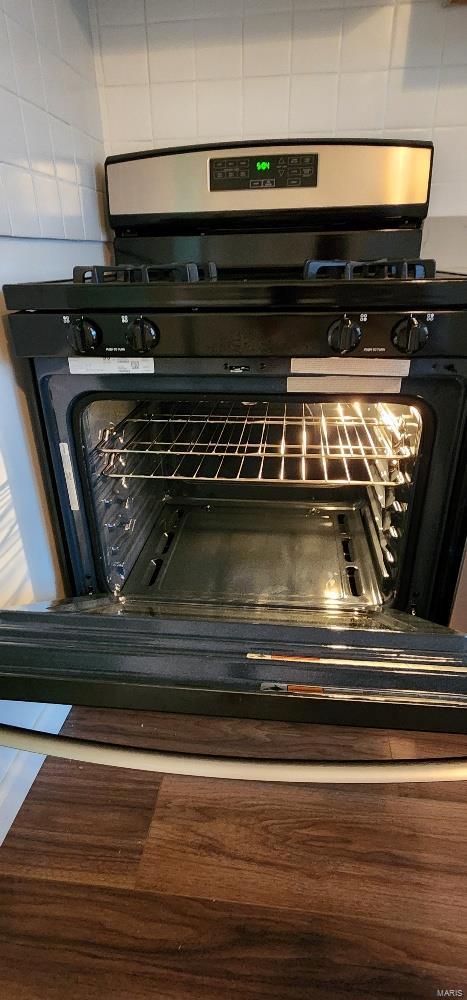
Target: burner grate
<point x="404" y="270"/>
<point x="145" y="274"/>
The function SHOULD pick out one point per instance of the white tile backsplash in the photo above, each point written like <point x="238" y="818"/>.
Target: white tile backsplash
<point x="418" y="34"/>
<point x="49" y="108"/>
<point x="411" y="97"/>
<point x="49" y="207"/>
<point x="455" y="39"/>
<point x="173" y="108"/>
<point x="313" y="102"/>
<point x="267" y="45"/>
<point x="128" y="112"/>
<point x="6" y="59"/>
<point x="38" y="137"/>
<point x="366" y="30"/>
<point x="124" y="55"/>
<point x="316" y="42"/>
<point x="171" y="51"/>
<point x="219" y="108"/>
<point x="360" y="98"/>
<point x="451" y="108"/>
<point x="21" y="200"/>
<point x="218" y="48"/>
<point x="13" y="142"/>
<point x="266" y="106"/>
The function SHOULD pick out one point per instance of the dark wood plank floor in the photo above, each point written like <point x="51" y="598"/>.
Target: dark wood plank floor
<point x="118" y="884"/>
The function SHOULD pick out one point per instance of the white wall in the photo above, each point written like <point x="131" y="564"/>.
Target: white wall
<point x="175" y="71"/>
<point x="51" y="217"/>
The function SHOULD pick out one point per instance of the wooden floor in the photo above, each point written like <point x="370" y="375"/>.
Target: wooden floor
<point x="119" y="885"/>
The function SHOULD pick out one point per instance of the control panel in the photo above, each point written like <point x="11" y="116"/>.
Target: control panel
<point x="230" y="335"/>
<point x="263" y="172"/>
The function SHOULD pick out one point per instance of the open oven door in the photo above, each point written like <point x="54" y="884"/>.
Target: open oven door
<point x="403" y="673"/>
<point x="375" y="668"/>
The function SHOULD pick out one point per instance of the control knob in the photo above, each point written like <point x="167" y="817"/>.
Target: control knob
<point x="344" y="335"/>
<point x="142" y="336"/>
<point x="83" y="336"/>
<point x="409" y="335"/>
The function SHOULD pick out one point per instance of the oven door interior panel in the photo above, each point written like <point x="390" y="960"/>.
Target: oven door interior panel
<point x="384" y="668"/>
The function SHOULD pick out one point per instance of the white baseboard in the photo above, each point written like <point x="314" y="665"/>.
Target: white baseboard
<point x="24" y="767"/>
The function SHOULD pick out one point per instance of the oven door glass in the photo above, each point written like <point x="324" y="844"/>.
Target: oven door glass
<point x="250" y="557"/>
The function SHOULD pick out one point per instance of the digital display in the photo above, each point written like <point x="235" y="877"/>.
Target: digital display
<point x="281" y="170"/>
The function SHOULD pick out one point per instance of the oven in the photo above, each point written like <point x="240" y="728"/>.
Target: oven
<point x="258" y="480"/>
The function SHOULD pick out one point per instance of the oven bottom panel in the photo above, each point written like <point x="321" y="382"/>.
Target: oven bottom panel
<point x="246" y="553"/>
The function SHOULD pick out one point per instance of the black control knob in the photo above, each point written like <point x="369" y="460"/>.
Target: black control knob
<point x="142" y="336"/>
<point x="83" y="336"/>
<point x="344" y="335"/>
<point x="409" y="335"/>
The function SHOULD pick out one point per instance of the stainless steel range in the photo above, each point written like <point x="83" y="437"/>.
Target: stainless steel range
<point x="253" y="430"/>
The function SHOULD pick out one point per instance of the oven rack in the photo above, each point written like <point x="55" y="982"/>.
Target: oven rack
<point x="272" y="443"/>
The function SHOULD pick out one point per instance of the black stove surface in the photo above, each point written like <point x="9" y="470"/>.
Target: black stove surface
<point x="316" y="285"/>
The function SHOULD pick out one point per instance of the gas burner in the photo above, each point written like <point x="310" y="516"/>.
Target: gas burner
<point x="145" y="274"/>
<point x="404" y="270"/>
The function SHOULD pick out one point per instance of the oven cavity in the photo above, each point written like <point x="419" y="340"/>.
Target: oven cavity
<point x="255" y="504"/>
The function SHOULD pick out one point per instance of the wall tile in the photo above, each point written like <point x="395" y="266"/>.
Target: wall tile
<point x="5" y="225"/>
<point x="451" y="108"/>
<point x="361" y="98"/>
<point x="45" y="20"/>
<point x="75" y="35"/>
<point x="128" y="112"/>
<point x="13" y="146"/>
<point x="64" y="150"/>
<point x="217" y="8"/>
<point x="218" y="47"/>
<point x="171" y="51"/>
<point x="455" y="41"/>
<point x="450" y="158"/>
<point x="86" y="157"/>
<point x="38" y="138"/>
<point x="449" y="199"/>
<point x="169" y="10"/>
<point x="120" y="11"/>
<point x="366" y="38"/>
<point x="72" y="212"/>
<point x="173" y="108"/>
<point x="219" y="108"/>
<point x="317" y="4"/>
<point x="21" y="11"/>
<point x="6" y="58"/>
<point x="26" y="60"/>
<point x="266" y="6"/>
<point x="411" y="98"/>
<point x="266" y="106"/>
<point x="313" y="102"/>
<point x="91" y="204"/>
<point x="316" y="41"/>
<point x="418" y="34"/>
<point x="124" y="55"/>
<point x="267" y="44"/>
<point x="49" y="206"/>
<point x="56" y="80"/>
<point x="19" y="193"/>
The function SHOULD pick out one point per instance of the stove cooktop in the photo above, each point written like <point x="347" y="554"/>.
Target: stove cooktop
<point x="318" y="285"/>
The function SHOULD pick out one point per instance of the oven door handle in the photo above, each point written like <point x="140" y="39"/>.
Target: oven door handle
<point x="236" y="768"/>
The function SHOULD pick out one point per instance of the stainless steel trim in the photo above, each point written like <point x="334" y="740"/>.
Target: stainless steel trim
<point x="238" y="769"/>
<point x="348" y="175"/>
<point x="353" y="385"/>
<point x="350" y="366"/>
